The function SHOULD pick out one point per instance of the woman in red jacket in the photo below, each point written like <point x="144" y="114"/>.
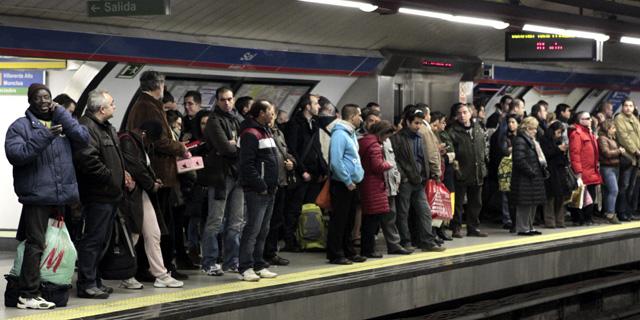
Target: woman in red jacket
<point x="584" y="154"/>
<point x="373" y="193"/>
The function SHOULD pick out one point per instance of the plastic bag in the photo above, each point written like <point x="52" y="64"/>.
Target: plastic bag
<point x="439" y="200"/>
<point x="58" y="258"/>
<point x="504" y="174"/>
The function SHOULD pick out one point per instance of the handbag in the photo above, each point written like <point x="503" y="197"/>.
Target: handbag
<point x="570" y="180"/>
<point x="323" y="200"/>
<point x="191" y="164"/>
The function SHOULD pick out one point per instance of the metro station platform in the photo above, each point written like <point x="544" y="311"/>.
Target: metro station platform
<point x="312" y="289"/>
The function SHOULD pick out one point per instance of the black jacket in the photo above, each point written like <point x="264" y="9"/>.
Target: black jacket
<point x="527" y="177"/>
<point x="222" y="158"/>
<point x="298" y="135"/>
<point x="258" y="158"/>
<point x="403" y="150"/>
<point x="135" y="158"/>
<point x="99" y="166"/>
<point x="557" y="164"/>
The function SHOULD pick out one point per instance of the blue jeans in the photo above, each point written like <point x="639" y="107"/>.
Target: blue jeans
<point x="625" y="205"/>
<point x="610" y="176"/>
<point x="255" y="232"/>
<point x="98" y="225"/>
<point x="413" y="195"/>
<point x="227" y="205"/>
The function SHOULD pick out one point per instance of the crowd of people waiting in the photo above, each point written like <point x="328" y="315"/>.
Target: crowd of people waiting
<point x="260" y="168"/>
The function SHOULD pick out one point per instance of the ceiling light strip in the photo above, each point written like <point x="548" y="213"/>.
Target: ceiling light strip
<point x="366" y="7"/>
<point x="566" y="32"/>
<point x="497" y="24"/>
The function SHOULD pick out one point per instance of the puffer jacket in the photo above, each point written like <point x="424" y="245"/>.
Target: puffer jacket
<point x="100" y="166"/>
<point x="43" y="172"/>
<point x="527" y="177"/>
<point x="258" y="158"/>
<point x="583" y="152"/>
<point x="373" y="194"/>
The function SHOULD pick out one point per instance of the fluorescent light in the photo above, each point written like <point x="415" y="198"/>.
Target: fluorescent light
<point x="497" y="24"/>
<point x="630" y="40"/>
<point x="366" y="7"/>
<point x="566" y="32"/>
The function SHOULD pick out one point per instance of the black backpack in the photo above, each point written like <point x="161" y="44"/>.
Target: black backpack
<point x="119" y="260"/>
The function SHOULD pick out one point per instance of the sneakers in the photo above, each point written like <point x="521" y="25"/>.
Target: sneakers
<point x="278" y="261"/>
<point x="249" y="275"/>
<point x="266" y="274"/>
<point x="34" y="303"/>
<point x="214" y="270"/>
<point x="168" y="282"/>
<point x="232" y="269"/>
<point x="131" y="284"/>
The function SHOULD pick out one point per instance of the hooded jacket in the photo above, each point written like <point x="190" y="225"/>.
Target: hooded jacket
<point x="343" y="154"/>
<point x="584" y="154"/>
<point x="43" y="172"/>
<point x="258" y="158"/>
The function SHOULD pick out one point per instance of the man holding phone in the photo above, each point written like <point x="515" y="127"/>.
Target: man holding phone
<point x="38" y="146"/>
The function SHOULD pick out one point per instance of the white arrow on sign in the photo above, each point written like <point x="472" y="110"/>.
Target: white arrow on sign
<point x="95" y="8"/>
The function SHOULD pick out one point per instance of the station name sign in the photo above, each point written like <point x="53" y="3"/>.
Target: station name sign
<point x="532" y="46"/>
<point x="111" y="8"/>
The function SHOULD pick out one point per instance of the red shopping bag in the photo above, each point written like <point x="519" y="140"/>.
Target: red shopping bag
<point x="439" y="200"/>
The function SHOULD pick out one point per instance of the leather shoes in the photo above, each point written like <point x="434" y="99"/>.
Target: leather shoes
<point x="443" y="234"/>
<point x="357" y="258"/>
<point x="457" y="234"/>
<point x="401" y="251"/>
<point x="433" y="249"/>
<point x="278" y="261"/>
<point x="374" y="255"/>
<point x="343" y="261"/>
<point x="178" y="275"/>
<point x="92" y="293"/>
<point x="106" y="289"/>
<point x="535" y="232"/>
<point x="476" y="233"/>
<point x="527" y="233"/>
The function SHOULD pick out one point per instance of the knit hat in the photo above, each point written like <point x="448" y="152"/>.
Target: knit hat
<point x="34" y="88"/>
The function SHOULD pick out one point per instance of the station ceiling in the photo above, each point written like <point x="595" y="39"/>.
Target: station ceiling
<point x="290" y="22"/>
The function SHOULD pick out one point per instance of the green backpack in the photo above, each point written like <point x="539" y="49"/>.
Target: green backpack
<point x="504" y="174"/>
<point x="311" y="231"/>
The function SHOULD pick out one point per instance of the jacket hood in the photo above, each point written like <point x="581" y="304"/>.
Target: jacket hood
<point x="251" y="123"/>
<point x="367" y="140"/>
<point x="342" y="125"/>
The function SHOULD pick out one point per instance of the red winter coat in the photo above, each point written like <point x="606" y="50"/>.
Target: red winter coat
<point x="373" y="194"/>
<point x="584" y="154"/>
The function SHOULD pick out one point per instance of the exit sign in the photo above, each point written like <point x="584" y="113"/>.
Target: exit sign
<point x="110" y="8"/>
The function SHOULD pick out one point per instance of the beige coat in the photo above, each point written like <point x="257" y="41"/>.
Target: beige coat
<point x="431" y="147"/>
<point x="628" y="132"/>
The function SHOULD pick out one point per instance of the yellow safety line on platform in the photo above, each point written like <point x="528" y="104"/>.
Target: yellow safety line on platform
<point x="187" y="294"/>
